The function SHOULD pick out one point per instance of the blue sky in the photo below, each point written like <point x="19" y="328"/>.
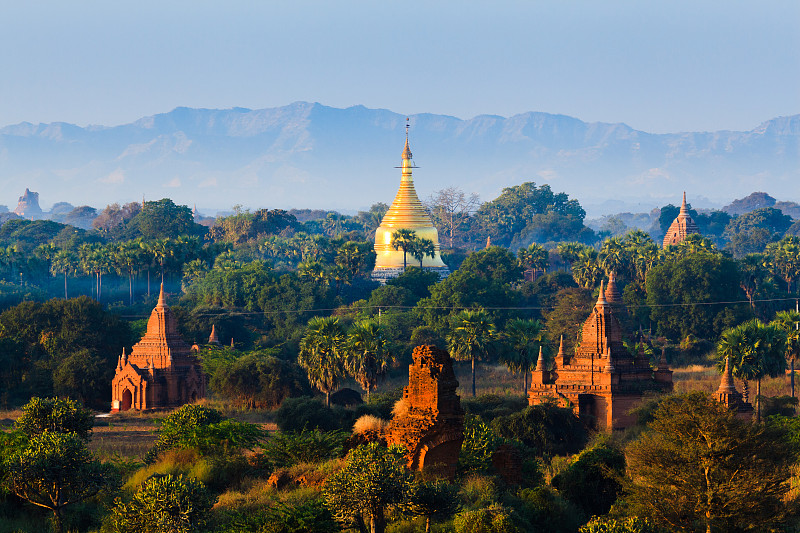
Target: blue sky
<point x="659" y="66"/>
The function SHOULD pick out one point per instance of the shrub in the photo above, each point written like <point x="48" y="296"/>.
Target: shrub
<point x="164" y="503"/>
<point x="296" y="414"/>
<point x="593" y="480"/>
<point x="203" y="429"/>
<point x="307" y="446"/>
<point x="547" y="428"/>
<point x="545" y="511"/>
<point x="491" y="406"/>
<point x="259" y="381"/>
<point x="603" y="524"/>
<point x="495" y="519"/>
<point x="55" y="414"/>
<point x="369" y="423"/>
<point x="308" y="516"/>
<point x="480" y="442"/>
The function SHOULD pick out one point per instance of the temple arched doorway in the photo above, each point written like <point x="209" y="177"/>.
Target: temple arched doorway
<point x="127" y="400"/>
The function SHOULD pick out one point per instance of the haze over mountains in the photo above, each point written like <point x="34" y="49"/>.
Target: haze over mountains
<point x="307" y="155"/>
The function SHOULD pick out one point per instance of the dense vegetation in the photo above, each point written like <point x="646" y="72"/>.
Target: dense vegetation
<point x="293" y="304"/>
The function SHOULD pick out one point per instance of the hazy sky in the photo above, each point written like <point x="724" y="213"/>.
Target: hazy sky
<point x="659" y="66"/>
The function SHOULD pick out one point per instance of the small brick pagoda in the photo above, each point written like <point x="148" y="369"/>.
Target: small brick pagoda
<point x="161" y="371"/>
<point x="730" y="397"/>
<point x="432" y="426"/>
<point x="681" y="227"/>
<point x="602" y="382"/>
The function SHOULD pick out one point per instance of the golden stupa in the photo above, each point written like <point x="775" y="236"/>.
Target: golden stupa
<point x="406" y="212"/>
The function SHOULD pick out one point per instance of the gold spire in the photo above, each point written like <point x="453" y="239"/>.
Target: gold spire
<point x="406" y="212"/>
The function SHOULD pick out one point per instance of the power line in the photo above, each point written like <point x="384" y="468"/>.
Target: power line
<point x="224" y="312"/>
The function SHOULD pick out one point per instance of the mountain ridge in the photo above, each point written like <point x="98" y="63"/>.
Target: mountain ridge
<point x="311" y="155"/>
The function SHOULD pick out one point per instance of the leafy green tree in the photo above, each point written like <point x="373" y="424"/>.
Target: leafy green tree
<point x="699" y="468"/>
<point x="524" y="339"/>
<point x="683" y="295"/>
<point x="368" y="354"/>
<point x="471" y="337"/>
<point x="55" y="470"/>
<point x="161" y="219"/>
<point x="431" y="498"/>
<point x="403" y="239"/>
<point x="546" y="428"/>
<point x="257" y="380"/>
<point x="593" y="480"/>
<point x="529" y="211"/>
<point x="373" y="478"/>
<point x="484" y="279"/>
<point x="177" y="428"/>
<point x="164" y="502"/>
<point x="755" y="351"/>
<point x="81" y="375"/>
<point x="789" y="323"/>
<point x="60" y="415"/>
<point x="570" y="309"/>
<point x="322" y="354"/>
<point x="751" y="232"/>
<point x="479" y="443"/>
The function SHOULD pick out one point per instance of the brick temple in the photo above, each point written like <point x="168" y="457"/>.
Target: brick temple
<point x="161" y="370"/>
<point x="681" y="227"/>
<point x="602" y="381"/>
<point x="431" y="428"/>
<point x="730" y="397"/>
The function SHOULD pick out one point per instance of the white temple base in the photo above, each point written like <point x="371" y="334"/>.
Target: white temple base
<point x="382" y="275"/>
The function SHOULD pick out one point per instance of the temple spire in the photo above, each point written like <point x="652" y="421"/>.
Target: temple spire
<point x="601" y="298"/>
<point x="161" y="302"/>
<point x="727" y="385"/>
<point x="684" y="209"/>
<point x="540" y="361"/>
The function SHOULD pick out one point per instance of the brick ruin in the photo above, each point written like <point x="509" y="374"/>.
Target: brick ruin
<point x="602" y="382"/>
<point x="431" y="427"/>
<point x="161" y="371"/>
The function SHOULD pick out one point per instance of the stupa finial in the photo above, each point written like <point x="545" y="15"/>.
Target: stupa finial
<point x="161" y="300"/>
<point x="726" y="384"/>
<point x="684" y="209"/>
<point x="601" y="298"/>
<point x="407" y="151"/>
<point x="540" y="361"/>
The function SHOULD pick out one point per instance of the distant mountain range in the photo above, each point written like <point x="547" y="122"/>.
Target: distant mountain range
<point x="307" y="155"/>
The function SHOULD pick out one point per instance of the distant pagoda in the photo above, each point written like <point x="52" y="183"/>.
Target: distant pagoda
<point x="161" y="371"/>
<point x="406" y="212"/>
<point x="681" y="227"/>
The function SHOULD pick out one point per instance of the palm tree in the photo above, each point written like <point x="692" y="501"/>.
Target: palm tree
<point x="368" y="356"/>
<point x="756" y="350"/>
<point x="471" y="337"/>
<point x="524" y="337"/>
<point x="789" y="322"/>
<point x="783" y="259"/>
<point x="534" y="257"/>
<point x="403" y="239"/>
<point x="322" y="350"/>
<point x="422" y="248"/>
<point x="613" y="256"/>
<point x="64" y="262"/>
<point x="586" y="268"/>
